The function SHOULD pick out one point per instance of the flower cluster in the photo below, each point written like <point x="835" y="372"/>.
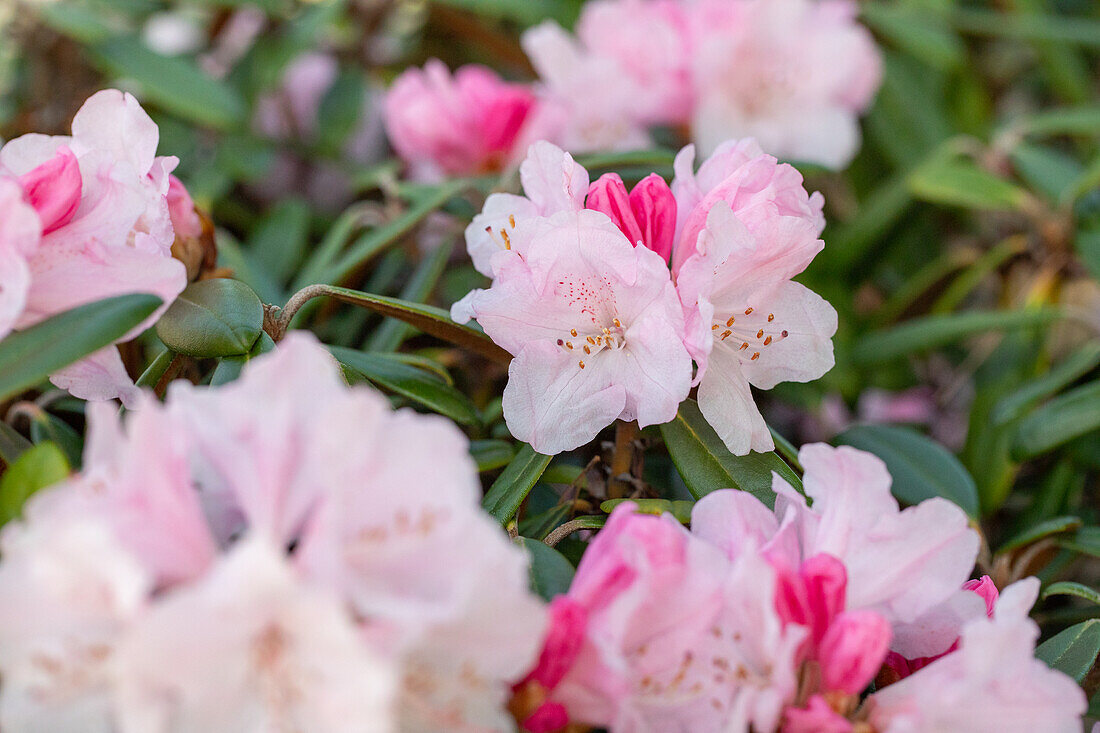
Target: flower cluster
<point x="794" y="74"/>
<point x="320" y="564"/>
<point x="87" y="217"/>
<point x="605" y="296"/>
<point x="780" y="619"/>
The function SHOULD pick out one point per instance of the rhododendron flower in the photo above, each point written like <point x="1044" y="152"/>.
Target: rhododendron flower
<point x="594" y="324"/>
<point x="19" y="237"/>
<point x="471" y="122"/>
<point x="101" y="200"/>
<point x="241" y="534"/>
<point x="992" y="683"/>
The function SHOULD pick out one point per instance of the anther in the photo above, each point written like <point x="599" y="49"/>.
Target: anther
<point x="591" y="340"/>
<point x="618" y="323"/>
<point x="768" y="340"/>
<point x="580" y="364"/>
<point x="725" y="334"/>
<point x="715" y="327"/>
<point x="730" y="322"/>
<point x="783" y="334"/>
<point x="771" y="317"/>
<point x="744" y="345"/>
<point x="512" y="220"/>
<point x="489" y="230"/>
<point x="606" y="331"/>
<point x="569" y="345"/>
<point x="507" y="241"/>
<point x="748" y="310"/>
<point x="587" y="350"/>
<point x="755" y="356"/>
<point x="572" y="332"/>
<point x="561" y="343"/>
<point x="760" y="333"/>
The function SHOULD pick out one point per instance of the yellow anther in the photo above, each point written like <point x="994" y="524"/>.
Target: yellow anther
<point x="771" y="317"/>
<point x="572" y="332"/>
<point x="748" y="310"/>
<point x="755" y="356"/>
<point x="760" y="333"/>
<point x="580" y="364"/>
<point x="768" y="340"/>
<point x="730" y="322"/>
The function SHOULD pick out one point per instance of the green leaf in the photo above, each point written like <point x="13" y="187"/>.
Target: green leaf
<point x="1087" y="245"/>
<point x="524" y="12"/>
<point x="921" y="468"/>
<point x="680" y="510"/>
<point x="156" y="369"/>
<point x="229" y="367"/>
<point x="1069" y="588"/>
<point x="47" y="428"/>
<point x="1073" y="651"/>
<point x="1068" y="416"/>
<point x="12" y="444"/>
<point x="1070" y="29"/>
<point x="1086" y="541"/>
<point x="213" y="318"/>
<point x="551" y="574"/>
<point x="38" y="467"/>
<point x="390" y="335"/>
<point x="923" y="334"/>
<point x="29" y="356"/>
<point x="1083" y="120"/>
<point x="920" y="34"/>
<point x="507" y="493"/>
<point x="1015" y="404"/>
<point x="279" y="241"/>
<point x="960" y="182"/>
<point x="1031" y="535"/>
<point x="706" y="464"/>
<point x="430" y="320"/>
<point x="173" y="83"/>
<point x="491" y="454"/>
<point x="415" y="384"/>
<point x="1046" y="170"/>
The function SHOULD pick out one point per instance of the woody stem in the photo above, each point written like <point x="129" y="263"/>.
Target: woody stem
<point x="622" y="459"/>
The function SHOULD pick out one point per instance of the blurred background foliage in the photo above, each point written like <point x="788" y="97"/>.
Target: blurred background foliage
<point x="962" y="252"/>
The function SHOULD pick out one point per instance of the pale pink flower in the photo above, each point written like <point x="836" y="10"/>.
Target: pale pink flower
<point x="992" y="683"/>
<point x="251" y="648"/>
<point x="117" y="239"/>
<point x="181" y="208"/>
<point x="794" y="74"/>
<point x="552" y="183"/>
<point x="595" y="326"/>
<point x="19" y="237"/>
<point x="461" y="124"/>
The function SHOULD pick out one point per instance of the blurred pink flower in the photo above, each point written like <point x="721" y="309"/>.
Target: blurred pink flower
<point x="461" y="124"/>
<point x="116" y="239"/>
<point x="592" y="321"/>
<point x="19" y="237"/>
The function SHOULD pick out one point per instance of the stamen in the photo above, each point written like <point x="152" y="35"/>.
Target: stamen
<point x="725" y="334"/>
<point x="512" y="220"/>
<point x="587" y="350"/>
<point x="580" y="364"/>
<point x="768" y="340"/>
<point x="606" y="331"/>
<point x="755" y="356"/>
<point x="744" y="346"/>
<point x="561" y="343"/>
<point x="760" y="333"/>
<point x="507" y="241"/>
<point x="488" y="230"/>
<point x="730" y="322"/>
<point x="591" y="340"/>
<point x="572" y="332"/>
<point x="783" y="334"/>
<point x="569" y="345"/>
<point x="618" y="323"/>
<point x="715" y="327"/>
<point x="771" y="317"/>
<point x="748" y="311"/>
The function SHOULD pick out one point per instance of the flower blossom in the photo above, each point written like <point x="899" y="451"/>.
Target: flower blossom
<point x="229" y="530"/>
<point x="104" y="228"/>
<point x="461" y="124"/>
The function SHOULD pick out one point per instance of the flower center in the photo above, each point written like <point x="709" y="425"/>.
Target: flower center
<point x="749" y="332"/>
<point x="594" y="341"/>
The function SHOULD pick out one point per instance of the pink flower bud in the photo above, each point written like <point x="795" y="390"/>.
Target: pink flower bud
<point x="814" y="596"/>
<point x="647" y="215"/>
<point x="53" y="189"/>
<point x="564" y="638"/>
<point x="181" y="208"/>
<point x="985" y="588"/>
<point x="853" y="650"/>
<point x="608" y="195"/>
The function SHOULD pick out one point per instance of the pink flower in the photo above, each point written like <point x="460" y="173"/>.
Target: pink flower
<point x="185" y="220"/>
<point x="19" y="238"/>
<point x="251" y="648"/>
<point x="592" y="321"/>
<point x="455" y="125"/>
<point x="794" y="74"/>
<point x="992" y="683"/>
<point x="116" y="239"/>
<point x="552" y="183"/>
<point x="647" y="215"/>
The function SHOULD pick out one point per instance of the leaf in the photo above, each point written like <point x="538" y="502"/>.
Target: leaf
<point x="390" y="335"/>
<point x="923" y="334"/>
<point x="550" y="573"/>
<point x="960" y="182"/>
<point x="1083" y="120"/>
<point x="1064" y="418"/>
<point x="507" y="493"/>
<point x="1016" y="403"/>
<point x="38" y="467"/>
<point x="213" y="318"/>
<point x="1076" y="29"/>
<point x="1046" y="170"/>
<point x="680" y="510"/>
<point x="12" y="444"/>
<point x="430" y="320"/>
<point x="29" y="356"/>
<point x="1086" y="541"/>
<point x="1087" y="245"/>
<point x="706" y="464"/>
<point x="921" y="34"/>
<point x="1073" y="651"/>
<point x="410" y="382"/>
<point x="173" y="83"/>
<point x="229" y="367"/>
<point x="524" y="12"/>
<point x="47" y="428"/>
<point x="921" y="468"/>
<point x="279" y="241"/>
<point x="1031" y="535"/>
<point x="1069" y="588"/>
<point x="491" y="454"/>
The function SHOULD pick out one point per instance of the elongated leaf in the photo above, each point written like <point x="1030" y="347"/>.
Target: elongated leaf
<point x="1073" y="651"/>
<point x="504" y="497"/>
<point x="410" y="382"/>
<point x="520" y="11"/>
<point x="1070" y="588"/>
<point x="1058" y="525"/>
<point x="921" y="468"/>
<point x="1046" y="170"/>
<point x="12" y="444"/>
<point x="491" y="454"/>
<point x="213" y="318"/>
<point x="1078" y="30"/>
<point x="551" y="573"/>
<point x="923" y="334"/>
<point x="1086" y="540"/>
<point x="1064" y="418"/>
<point x="681" y="510"/>
<point x="428" y="319"/>
<point x="27" y="357"/>
<point x="174" y="83"/>
<point x="390" y="335"/>
<point x="47" y="428"/>
<point x="706" y="464"/>
<point x="1078" y="364"/>
<point x="38" y="467"/>
<point x="923" y="35"/>
<point x="230" y="367"/>
<point x="279" y="242"/>
<point x="1082" y="120"/>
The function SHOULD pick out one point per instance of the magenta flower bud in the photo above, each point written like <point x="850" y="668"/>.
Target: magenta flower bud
<point x="985" y="588"/>
<point x="53" y="189"/>
<point x="608" y="195"/>
<point x="853" y="650"/>
<point x="814" y="596"/>
<point x="654" y="209"/>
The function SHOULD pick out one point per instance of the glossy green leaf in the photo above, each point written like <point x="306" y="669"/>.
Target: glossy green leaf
<point x="491" y="454"/>
<point x="551" y="573"/>
<point x="174" y="83"/>
<point x="1073" y="651"/>
<point x="38" y="467"/>
<point x="514" y="483"/>
<point x="1015" y="404"/>
<point x="29" y="356"/>
<point x="923" y="334"/>
<point x="213" y="318"/>
<point x="960" y="182"/>
<point x="229" y="367"/>
<point x="921" y="468"/>
<point x="423" y="388"/>
<point x="1070" y="588"/>
<point x="1047" y="528"/>
<point x="681" y="510"/>
<point x="1068" y="416"/>
<point x="706" y="465"/>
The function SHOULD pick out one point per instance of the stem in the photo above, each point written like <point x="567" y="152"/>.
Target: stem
<point x="277" y="320"/>
<point x="563" y="531"/>
<point x="622" y="459"/>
